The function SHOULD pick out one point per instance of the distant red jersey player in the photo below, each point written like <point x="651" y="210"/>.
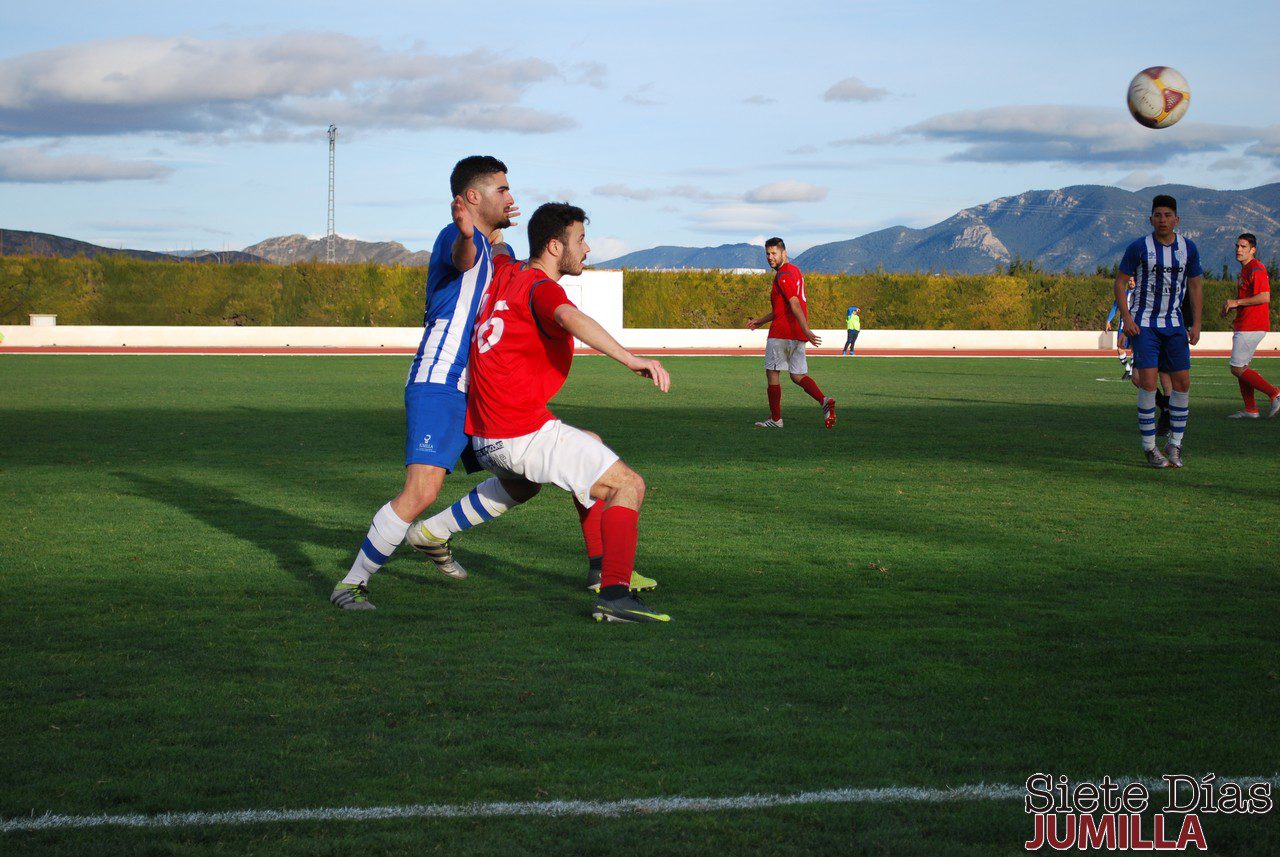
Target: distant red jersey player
<point x="1253" y="321"/>
<point x="520" y="358"/>
<point x="789" y="331"/>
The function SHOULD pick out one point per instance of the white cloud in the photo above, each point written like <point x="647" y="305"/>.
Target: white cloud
<point x="738" y="218"/>
<point x="759" y="100"/>
<point x="25" y="164"/>
<point x="644" y="194"/>
<point x="1268" y="145"/>
<point x="1235" y="165"/>
<point x="853" y="89"/>
<point x="786" y="191"/>
<point x="1077" y="135"/>
<point x="267" y="87"/>
<point x="1139" y="179"/>
<point x="782" y="191"/>
<point x="642" y="96"/>
<point x="607" y="247"/>
<point x="641" y="194"/>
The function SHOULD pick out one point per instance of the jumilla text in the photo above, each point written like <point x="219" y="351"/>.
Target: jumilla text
<point x="1064" y="811"/>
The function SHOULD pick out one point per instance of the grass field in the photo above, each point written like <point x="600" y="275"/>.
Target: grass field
<point x="970" y="579"/>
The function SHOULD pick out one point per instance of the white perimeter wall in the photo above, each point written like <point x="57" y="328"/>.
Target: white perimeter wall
<point x="599" y="295"/>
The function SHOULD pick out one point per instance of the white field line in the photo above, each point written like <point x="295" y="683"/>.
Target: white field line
<point x="562" y="808"/>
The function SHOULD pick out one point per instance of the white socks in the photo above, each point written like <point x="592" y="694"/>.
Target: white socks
<point x="486" y="501"/>
<point x="385" y="534"/>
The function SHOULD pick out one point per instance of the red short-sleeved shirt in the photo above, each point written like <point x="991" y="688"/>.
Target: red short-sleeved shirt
<point x="520" y="356"/>
<point x="787" y="283"/>
<point x="1253" y="281"/>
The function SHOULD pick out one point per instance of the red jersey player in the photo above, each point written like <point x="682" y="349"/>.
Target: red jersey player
<point x="788" y="333"/>
<point x="520" y="358"/>
<point x="1253" y="320"/>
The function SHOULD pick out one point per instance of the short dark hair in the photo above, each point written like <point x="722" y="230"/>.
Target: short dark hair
<point x="467" y="170"/>
<point x="1250" y="237"/>
<point x="775" y="242"/>
<point x="550" y="221"/>
<point x="1164" y="201"/>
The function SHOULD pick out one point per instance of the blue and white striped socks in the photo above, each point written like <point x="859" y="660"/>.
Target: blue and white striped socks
<point x="1178" y="410"/>
<point x="486" y="501"/>
<point x="1147" y="417"/>
<point x="385" y="534"/>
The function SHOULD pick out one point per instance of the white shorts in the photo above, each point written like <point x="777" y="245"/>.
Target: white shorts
<point x="1243" y="344"/>
<point x="556" y="454"/>
<point x="786" y="355"/>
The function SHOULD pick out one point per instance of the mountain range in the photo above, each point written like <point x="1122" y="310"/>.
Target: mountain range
<point x="1076" y="228"/>
<point x="288" y="249"/>
<point x="16" y="242"/>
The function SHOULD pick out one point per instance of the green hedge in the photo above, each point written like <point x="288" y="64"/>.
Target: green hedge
<point x="121" y="290"/>
<point x="1037" y="301"/>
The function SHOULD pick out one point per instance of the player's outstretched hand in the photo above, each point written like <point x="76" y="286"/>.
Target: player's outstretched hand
<point x="1193" y="335"/>
<point x="512" y="212"/>
<point x="752" y="324"/>
<point x="653" y="370"/>
<point x="815" y="339"/>
<point x="462" y="217"/>
<point x="1226" y="308"/>
<point x="1131" y="328"/>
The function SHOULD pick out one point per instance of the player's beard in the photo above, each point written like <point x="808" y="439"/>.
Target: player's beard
<point x="503" y="222"/>
<point x="572" y="267"/>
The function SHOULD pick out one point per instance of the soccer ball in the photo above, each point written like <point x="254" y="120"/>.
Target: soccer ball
<point x="1158" y="96"/>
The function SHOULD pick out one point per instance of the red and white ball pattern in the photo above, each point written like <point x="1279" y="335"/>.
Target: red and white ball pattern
<point x="1159" y="96"/>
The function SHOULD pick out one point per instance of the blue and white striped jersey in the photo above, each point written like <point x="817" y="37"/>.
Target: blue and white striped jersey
<point x="453" y="298"/>
<point x="1161" y="273"/>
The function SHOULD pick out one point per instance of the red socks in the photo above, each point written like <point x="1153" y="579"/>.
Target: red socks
<point x="619" y="527"/>
<point x="590" y="521"/>
<point x="775" y="401"/>
<point x="1258" y="383"/>
<point x="1246" y="393"/>
<point x="812" y="389"/>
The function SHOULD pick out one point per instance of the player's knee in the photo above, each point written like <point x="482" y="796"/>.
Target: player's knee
<point x="1239" y="370"/>
<point x="798" y="379"/>
<point x="636" y="483"/>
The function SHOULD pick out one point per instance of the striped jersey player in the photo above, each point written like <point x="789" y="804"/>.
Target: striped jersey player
<point x="1166" y="270"/>
<point x="435" y="396"/>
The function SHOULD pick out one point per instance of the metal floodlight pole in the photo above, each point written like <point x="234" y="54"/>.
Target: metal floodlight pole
<point x="329" y="233"/>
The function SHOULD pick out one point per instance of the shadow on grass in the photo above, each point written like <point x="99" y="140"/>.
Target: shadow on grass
<point x="279" y="533"/>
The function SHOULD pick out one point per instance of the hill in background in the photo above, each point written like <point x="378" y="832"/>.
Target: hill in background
<point x="1077" y="228"/>
<point x="15" y="242"/>
<point x="287" y="249"/>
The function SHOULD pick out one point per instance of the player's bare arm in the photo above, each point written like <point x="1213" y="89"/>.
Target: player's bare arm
<point x="761" y="321"/>
<point x="1236" y="303"/>
<point x="1195" y="288"/>
<point x="464" y="246"/>
<point x="587" y="329"/>
<point x="793" y="304"/>
<point x="1121" y="288"/>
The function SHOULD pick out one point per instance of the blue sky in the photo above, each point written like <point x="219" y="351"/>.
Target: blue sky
<point x="172" y="125"/>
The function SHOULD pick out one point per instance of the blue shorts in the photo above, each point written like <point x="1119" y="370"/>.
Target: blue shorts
<point x="435" y="420"/>
<point x="1163" y="348"/>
